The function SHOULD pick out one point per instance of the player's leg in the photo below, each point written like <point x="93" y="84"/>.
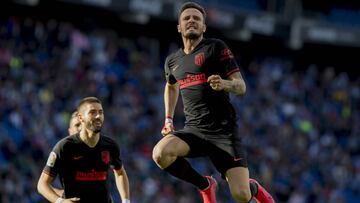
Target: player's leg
<point x="196" y="147"/>
<point x="245" y="189"/>
<point x="169" y="155"/>
<point x="168" y="149"/>
<point x="238" y="180"/>
<point x="234" y="169"/>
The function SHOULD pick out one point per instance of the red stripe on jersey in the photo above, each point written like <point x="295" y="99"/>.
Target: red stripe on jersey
<point x="191" y="80"/>
<point x="91" y="176"/>
<point x="233" y="71"/>
<point x="197" y="82"/>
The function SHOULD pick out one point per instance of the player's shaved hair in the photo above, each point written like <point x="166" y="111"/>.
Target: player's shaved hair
<point x="87" y="100"/>
<point x="192" y="5"/>
<point x="74" y="114"/>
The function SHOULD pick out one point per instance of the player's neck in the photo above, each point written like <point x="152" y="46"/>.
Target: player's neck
<point x="90" y="138"/>
<point x="190" y="44"/>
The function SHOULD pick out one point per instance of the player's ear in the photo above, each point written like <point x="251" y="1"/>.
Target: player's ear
<point x="204" y="28"/>
<point x="178" y="28"/>
<point x="79" y="115"/>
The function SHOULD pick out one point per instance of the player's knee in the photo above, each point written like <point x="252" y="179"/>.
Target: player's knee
<point x="240" y="195"/>
<point x="158" y="156"/>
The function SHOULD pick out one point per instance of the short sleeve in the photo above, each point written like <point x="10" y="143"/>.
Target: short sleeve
<point x="226" y="59"/>
<point x="168" y="73"/>
<point x="53" y="163"/>
<point x="116" y="161"/>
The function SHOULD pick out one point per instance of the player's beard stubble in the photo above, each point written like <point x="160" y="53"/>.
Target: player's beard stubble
<point x="94" y="125"/>
<point x="192" y="35"/>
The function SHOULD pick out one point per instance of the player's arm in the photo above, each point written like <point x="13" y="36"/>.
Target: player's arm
<point x="234" y="83"/>
<point x="44" y="186"/>
<point x="58" y="191"/>
<point x="228" y="77"/>
<point x="122" y="184"/>
<point x="171" y="94"/>
<point x="45" y="189"/>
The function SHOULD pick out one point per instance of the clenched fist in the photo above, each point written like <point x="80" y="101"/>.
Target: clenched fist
<point x="168" y="127"/>
<point x="216" y="83"/>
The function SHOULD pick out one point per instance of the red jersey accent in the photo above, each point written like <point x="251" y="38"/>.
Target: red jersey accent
<point x="200" y="59"/>
<point x="233" y="71"/>
<point x="191" y="80"/>
<point x="105" y="156"/>
<point x="226" y="54"/>
<point x="91" y="176"/>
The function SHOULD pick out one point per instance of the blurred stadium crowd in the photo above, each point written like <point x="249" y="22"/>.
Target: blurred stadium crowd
<point x="301" y="128"/>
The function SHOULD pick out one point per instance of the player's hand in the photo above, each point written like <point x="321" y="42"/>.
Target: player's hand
<point x="168" y="128"/>
<point x="216" y="83"/>
<point x="71" y="200"/>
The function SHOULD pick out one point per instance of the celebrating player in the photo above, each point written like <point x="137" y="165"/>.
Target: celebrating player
<point x="83" y="160"/>
<point x="205" y="72"/>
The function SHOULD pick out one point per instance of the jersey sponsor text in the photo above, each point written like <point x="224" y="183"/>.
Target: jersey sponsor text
<point x="93" y="175"/>
<point x="192" y="79"/>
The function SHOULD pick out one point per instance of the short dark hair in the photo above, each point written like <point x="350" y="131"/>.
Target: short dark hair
<point x="74" y="114"/>
<point x="194" y="5"/>
<point x="87" y="100"/>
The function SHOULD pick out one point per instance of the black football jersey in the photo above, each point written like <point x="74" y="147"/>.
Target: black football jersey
<point x="206" y="110"/>
<point x="83" y="170"/>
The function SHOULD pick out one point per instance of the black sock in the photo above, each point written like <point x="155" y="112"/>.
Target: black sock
<point x="253" y="189"/>
<point x="181" y="169"/>
<point x="252" y="201"/>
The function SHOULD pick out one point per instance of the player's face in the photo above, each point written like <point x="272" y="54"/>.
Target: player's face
<point x="92" y="115"/>
<point x="191" y="24"/>
<point x="75" y="125"/>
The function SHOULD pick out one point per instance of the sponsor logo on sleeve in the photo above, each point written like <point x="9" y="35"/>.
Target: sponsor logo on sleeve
<point x="175" y="67"/>
<point x="226" y="54"/>
<point x="51" y="160"/>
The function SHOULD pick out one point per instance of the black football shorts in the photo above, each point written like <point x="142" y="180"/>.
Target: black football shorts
<point x="221" y="159"/>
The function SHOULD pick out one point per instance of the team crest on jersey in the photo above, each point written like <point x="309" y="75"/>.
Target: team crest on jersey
<point x="105" y="156"/>
<point x="51" y="160"/>
<point x="200" y="59"/>
<point x="226" y="54"/>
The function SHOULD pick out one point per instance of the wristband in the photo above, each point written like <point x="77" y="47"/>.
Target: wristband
<point x="59" y="200"/>
<point x="168" y="119"/>
<point x="125" y="201"/>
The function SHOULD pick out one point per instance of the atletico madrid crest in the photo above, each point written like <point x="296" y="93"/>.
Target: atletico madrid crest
<point x="105" y="156"/>
<point x="200" y="59"/>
